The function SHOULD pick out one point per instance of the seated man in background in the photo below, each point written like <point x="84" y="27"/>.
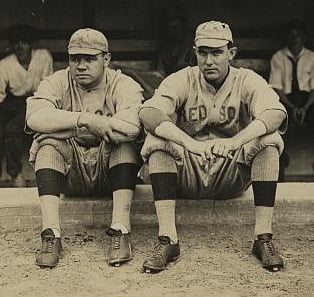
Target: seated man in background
<point x="20" y="75"/>
<point x="86" y="119"/>
<point x="292" y="77"/>
<point x="176" y="51"/>
<point x="213" y="131"/>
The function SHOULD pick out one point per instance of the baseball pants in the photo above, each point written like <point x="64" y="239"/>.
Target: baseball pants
<point x="85" y="169"/>
<point x="223" y="178"/>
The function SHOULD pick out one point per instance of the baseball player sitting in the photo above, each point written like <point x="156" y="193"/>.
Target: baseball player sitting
<point x="213" y="130"/>
<point x="86" y="123"/>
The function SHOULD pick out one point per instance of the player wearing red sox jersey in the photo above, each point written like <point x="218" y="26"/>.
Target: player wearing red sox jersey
<point x="86" y="119"/>
<point x="213" y="130"/>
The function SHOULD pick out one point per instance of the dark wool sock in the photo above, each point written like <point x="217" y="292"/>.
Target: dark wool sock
<point x="164" y="185"/>
<point x="49" y="182"/>
<point x="123" y="176"/>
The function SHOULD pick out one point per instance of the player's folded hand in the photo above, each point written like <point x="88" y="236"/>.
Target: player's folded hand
<point x="99" y="126"/>
<point x="221" y="147"/>
<point x="198" y="148"/>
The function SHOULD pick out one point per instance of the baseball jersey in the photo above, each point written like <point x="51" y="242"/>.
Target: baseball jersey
<point x="19" y="81"/>
<point x="200" y="110"/>
<point x="117" y="95"/>
<point x="281" y="70"/>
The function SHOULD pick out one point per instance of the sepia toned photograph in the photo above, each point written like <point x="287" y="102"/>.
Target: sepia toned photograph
<point x="156" y="148"/>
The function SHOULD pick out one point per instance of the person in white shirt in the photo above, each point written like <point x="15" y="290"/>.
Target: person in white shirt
<point x="20" y="75"/>
<point x="292" y="75"/>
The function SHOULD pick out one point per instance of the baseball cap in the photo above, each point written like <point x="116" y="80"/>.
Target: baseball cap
<point x="87" y="41"/>
<point x="213" y="34"/>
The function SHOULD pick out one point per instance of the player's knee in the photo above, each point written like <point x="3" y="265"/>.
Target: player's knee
<point x="265" y="165"/>
<point x="270" y="154"/>
<point x="124" y="153"/>
<point x="49" y="157"/>
<point x="161" y="161"/>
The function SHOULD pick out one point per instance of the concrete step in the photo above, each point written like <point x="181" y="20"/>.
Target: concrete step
<point x="20" y="208"/>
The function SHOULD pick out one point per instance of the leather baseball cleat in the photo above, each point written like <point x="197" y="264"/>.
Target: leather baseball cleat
<point x="164" y="253"/>
<point x="264" y="250"/>
<point x="120" y="250"/>
<point x="50" y="250"/>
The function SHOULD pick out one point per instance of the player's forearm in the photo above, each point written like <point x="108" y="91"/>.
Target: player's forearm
<point x="170" y="131"/>
<point x="254" y="130"/>
<point x="273" y="119"/>
<point x="49" y="120"/>
<point x="129" y="130"/>
<point x="120" y="137"/>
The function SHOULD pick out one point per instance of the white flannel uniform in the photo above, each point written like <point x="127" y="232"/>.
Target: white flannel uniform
<point x="204" y="113"/>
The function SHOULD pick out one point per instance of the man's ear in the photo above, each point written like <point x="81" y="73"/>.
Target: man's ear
<point x="107" y="58"/>
<point x="232" y="52"/>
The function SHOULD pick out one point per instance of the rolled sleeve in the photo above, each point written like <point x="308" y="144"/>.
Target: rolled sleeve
<point x="261" y="98"/>
<point x="275" y="77"/>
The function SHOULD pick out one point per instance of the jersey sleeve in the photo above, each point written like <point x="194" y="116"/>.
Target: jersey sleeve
<point x="48" y="95"/>
<point x="276" y="72"/>
<point x="129" y="97"/>
<point x="259" y="97"/>
<point x="171" y="93"/>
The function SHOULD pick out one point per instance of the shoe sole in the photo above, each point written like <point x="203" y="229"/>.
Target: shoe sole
<point x="46" y="265"/>
<point x="273" y="267"/>
<point x="118" y="262"/>
<point x="155" y="269"/>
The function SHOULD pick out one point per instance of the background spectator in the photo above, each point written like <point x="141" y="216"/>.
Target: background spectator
<point x="176" y="51"/>
<point x="20" y="75"/>
<point x="292" y="77"/>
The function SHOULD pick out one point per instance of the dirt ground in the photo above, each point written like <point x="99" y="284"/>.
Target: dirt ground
<point x="215" y="261"/>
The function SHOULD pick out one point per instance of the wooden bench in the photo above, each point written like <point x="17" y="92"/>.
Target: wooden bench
<point x="139" y="54"/>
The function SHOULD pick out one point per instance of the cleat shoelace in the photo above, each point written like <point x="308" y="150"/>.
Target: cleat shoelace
<point x="158" y="252"/>
<point x="49" y="245"/>
<point x="270" y="248"/>
<point x="115" y="241"/>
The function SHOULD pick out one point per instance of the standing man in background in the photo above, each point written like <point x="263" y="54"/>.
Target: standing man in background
<point x="20" y="75"/>
<point x="86" y="123"/>
<point x="213" y="131"/>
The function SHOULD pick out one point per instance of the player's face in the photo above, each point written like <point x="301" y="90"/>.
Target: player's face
<point x="88" y="70"/>
<point x="22" y="50"/>
<point x="214" y="62"/>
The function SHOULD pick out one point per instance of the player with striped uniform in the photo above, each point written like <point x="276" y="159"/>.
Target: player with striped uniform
<point x="213" y="130"/>
<point x="86" y="123"/>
